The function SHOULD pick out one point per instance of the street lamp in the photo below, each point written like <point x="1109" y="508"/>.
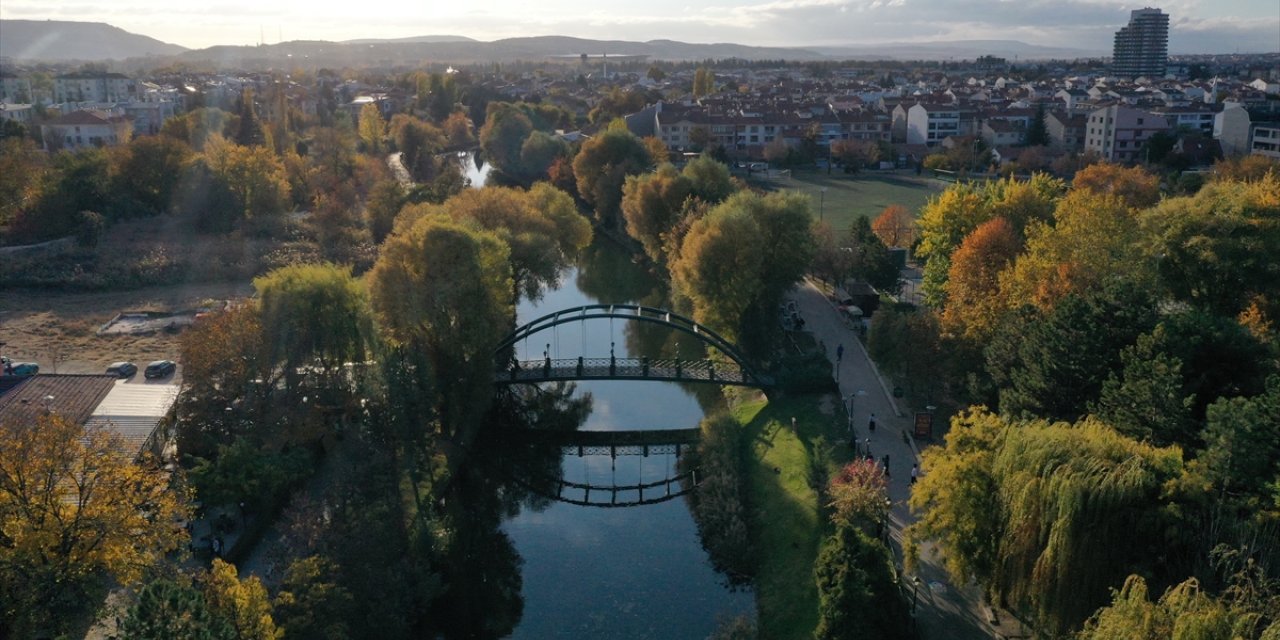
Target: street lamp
<point x="915" y="593"/>
<point x="822" y="203"/>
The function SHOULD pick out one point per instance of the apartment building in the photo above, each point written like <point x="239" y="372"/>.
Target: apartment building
<point x="82" y="129"/>
<point x="1119" y="133"/>
<point x="1142" y="47"/>
<point x="90" y="86"/>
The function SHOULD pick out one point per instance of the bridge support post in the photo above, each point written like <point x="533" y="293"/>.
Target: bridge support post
<point x="644" y="364"/>
<point x="679" y="368"/>
<point x="579" y="366"/>
<point x="711" y="371"/>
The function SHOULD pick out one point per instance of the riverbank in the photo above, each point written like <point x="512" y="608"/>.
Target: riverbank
<point x="788" y="522"/>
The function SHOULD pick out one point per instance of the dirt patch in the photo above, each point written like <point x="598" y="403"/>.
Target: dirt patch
<point x="60" y="330"/>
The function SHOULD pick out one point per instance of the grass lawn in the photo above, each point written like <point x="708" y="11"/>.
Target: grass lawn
<point x="788" y="524"/>
<point x="865" y="194"/>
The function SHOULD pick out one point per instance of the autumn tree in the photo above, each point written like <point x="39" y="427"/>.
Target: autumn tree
<point x="895" y="226"/>
<point x="858" y="496"/>
<point x="383" y="205"/>
<point x="704" y="81"/>
<point x="248" y="130"/>
<point x="372" y="128"/>
<point x="313" y="315"/>
<point x="197" y="126"/>
<point x="537" y="154"/>
<point x="244" y="604"/>
<point x="541" y="227"/>
<point x="653" y="203"/>
<point x="973" y="303"/>
<point x="457" y="130"/>
<point x="75" y="182"/>
<point x="75" y="509"/>
<point x="1186" y="609"/>
<point x="1045" y="517"/>
<point x="1134" y="187"/>
<point x="503" y="136"/>
<point x="252" y="176"/>
<point x="222" y="356"/>
<point x="419" y="142"/>
<point x="601" y="168"/>
<point x="445" y="287"/>
<point x="1248" y="168"/>
<point x="312" y="602"/>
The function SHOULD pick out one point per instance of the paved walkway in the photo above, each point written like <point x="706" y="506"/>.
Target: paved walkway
<point x="944" y="611"/>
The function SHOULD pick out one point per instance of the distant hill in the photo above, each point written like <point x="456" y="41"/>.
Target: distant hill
<point x="58" y="40"/>
<point x="958" y="49"/>
<point x="410" y="40"/>
<point x="416" y="50"/>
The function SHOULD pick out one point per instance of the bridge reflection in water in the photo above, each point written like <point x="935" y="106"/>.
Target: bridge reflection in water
<point x="613" y="443"/>
<point x="664" y="369"/>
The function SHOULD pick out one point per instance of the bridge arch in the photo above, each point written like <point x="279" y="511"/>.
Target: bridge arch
<point x="638" y="313"/>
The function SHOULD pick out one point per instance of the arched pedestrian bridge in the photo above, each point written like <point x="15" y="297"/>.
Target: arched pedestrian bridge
<point x="737" y="371"/>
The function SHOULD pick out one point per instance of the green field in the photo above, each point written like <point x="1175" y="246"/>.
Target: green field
<point x="865" y="194"/>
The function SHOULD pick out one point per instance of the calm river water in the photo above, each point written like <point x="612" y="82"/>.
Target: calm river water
<point x="635" y="572"/>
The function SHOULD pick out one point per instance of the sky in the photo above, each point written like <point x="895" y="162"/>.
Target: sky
<point x="1196" y="26"/>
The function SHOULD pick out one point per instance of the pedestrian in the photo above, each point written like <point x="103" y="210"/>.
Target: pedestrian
<point x="915" y="472"/>
<point x="839" y="353"/>
<point x="871" y="424"/>
<point x="217" y="546"/>
<point x="886" y="465"/>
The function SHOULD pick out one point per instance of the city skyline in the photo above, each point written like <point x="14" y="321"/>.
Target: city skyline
<point x="1225" y="26"/>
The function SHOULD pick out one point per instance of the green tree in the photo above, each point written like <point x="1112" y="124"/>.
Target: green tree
<point x="385" y="201"/>
<point x="75" y="182"/>
<point x="1241" y="456"/>
<point x="167" y="609"/>
<point x="372" y="128"/>
<point x="248" y="130"/>
<point x="857" y="589"/>
<point x="444" y="287"/>
<point x="420" y="142"/>
<point x="313" y="315"/>
<point x="503" y="136"/>
<point x="1184" y="611"/>
<point x="601" y="169"/>
<point x="253" y="177"/>
<point x="147" y="171"/>
<point x="704" y="82"/>
<point x="537" y="154"/>
<point x="1045" y="517"/>
<point x="1053" y="364"/>
<point x="243" y="472"/>
<point x="1038" y="131"/>
<point x="1145" y="400"/>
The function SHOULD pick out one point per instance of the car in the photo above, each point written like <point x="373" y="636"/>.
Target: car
<point x="24" y="369"/>
<point x="160" y="369"/>
<point x="122" y="369"/>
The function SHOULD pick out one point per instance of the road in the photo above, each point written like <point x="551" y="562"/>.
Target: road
<point x="945" y="611"/>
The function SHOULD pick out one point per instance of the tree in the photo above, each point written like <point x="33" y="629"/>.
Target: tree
<point x="895" y="226"/>
<point x="858" y="496"/>
<point x="1185" y="610"/>
<point x="385" y="201"/>
<point x="857" y="589"/>
<point x="243" y="603"/>
<point x="1045" y="517"/>
<point x="973" y="303"/>
<point x="372" y="128"/>
<point x="252" y="176"/>
<point x="75" y="182"/>
<point x="147" y="171"/>
<point x="1145" y="400"/>
<point x="1248" y="168"/>
<point x="871" y="262"/>
<point x="313" y="315"/>
<point x="855" y="154"/>
<point x="1038" y="131"/>
<point x="1133" y="186"/>
<point x="444" y="287"/>
<point x="1052" y="364"/>
<point x="1242" y="448"/>
<point x="458" y="130"/>
<point x="537" y="154"/>
<point x="312" y="602"/>
<point x="74" y="509"/>
<point x="503" y="136"/>
<point x="541" y="227"/>
<point x="601" y="169"/>
<point x="248" y="131"/>
<point x="703" y="82"/>
<point x="1213" y="249"/>
<point x="420" y="142"/>
<point x="167" y="609"/>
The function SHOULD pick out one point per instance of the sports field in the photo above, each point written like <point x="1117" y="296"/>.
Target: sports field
<point x="864" y="194"/>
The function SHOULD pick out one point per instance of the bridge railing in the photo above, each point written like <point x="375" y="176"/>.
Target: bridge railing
<point x="627" y="368"/>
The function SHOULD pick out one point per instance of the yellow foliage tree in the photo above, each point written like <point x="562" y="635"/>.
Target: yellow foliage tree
<point x="74" y="507"/>
<point x="243" y="603"/>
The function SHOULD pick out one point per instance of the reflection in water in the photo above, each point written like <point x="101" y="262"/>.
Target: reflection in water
<point x="638" y="572"/>
<point x="474" y="168"/>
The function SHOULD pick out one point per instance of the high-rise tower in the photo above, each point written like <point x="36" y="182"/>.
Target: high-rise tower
<point x="1142" y="48"/>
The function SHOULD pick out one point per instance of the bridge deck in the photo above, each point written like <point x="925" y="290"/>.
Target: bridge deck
<point x="611" y="443"/>
<point x="664" y="369"/>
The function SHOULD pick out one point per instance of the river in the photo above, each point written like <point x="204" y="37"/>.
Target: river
<point x="634" y="572"/>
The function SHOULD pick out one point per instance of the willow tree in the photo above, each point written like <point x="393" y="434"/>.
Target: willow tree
<point x="1046" y="517"/>
<point x="445" y="288"/>
<point x="602" y="166"/>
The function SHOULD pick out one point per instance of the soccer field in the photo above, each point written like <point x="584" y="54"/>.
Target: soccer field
<point x="864" y="194"/>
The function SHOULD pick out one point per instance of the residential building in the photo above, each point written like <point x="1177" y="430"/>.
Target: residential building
<point x="20" y="113"/>
<point x="1198" y="117"/>
<point x="930" y="124"/>
<point x="1265" y="139"/>
<point x="81" y="129"/>
<point x="1119" y="133"/>
<point x="94" y="86"/>
<point x="1002" y="133"/>
<point x="1066" y="130"/>
<point x="14" y="89"/>
<point x="1231" y="128"/>
<point x="1142" y="47"/>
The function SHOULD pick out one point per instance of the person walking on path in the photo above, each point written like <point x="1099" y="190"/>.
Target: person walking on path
<point x="915" y="472"/>
<point x="871" y="424"/>
<point x="839" y="352"/>
<point x="886" y="466"/>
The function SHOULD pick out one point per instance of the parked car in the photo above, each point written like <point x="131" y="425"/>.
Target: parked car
<point x="160" y="369"/>
<point x="122" y="369"/>
<point x="24" y="369"/>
